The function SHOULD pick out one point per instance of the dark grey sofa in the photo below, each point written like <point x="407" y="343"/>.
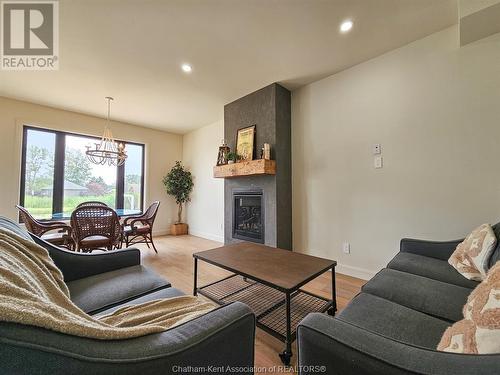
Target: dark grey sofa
<point x="101" y="283"/>
<point x="395" y="324"/>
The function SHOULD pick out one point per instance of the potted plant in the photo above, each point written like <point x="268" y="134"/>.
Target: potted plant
<point x="233" y="157"/>
<point x="179" y="183"/>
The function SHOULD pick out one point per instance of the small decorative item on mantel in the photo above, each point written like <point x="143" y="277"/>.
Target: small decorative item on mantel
<point x="267" y="151"/>
<point x="232" y="157"/>
<point x="245" y="140"/>
<point x="223" y="153"/>
<point x="179" y="183"/>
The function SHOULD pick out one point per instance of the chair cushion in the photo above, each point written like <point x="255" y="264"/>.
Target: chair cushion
<point x="95" y="241"/>
<point x="55" y="238"/>
<point x="419" y="293"/>
<point x="103" y="291"/>
<point x="432" y="268"/>
<point x="159" y="294"/>
<point x="394" y="321"/>
<point x="138" y="229"/>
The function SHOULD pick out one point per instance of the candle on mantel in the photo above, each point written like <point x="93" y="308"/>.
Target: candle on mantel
<point x="267" y="151"/>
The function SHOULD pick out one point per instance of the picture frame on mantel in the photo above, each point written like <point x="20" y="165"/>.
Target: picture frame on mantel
<point x="245" y="142"/>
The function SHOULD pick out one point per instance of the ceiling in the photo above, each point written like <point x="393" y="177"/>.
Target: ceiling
<point x="133" y="50"/>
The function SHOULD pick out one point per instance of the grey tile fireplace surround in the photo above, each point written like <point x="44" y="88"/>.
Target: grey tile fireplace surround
<point x="268" y="109"/>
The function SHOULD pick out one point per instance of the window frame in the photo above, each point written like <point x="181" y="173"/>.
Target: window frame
<point x="59" y="162"/>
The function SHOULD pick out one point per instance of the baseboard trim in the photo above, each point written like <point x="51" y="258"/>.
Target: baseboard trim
<point x="208" y="236"/>
<point x="193" y="232"/>
<point x="360" y="273"/>
<point x="161" y="232"/>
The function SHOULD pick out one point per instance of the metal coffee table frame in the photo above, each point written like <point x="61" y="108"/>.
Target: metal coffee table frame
<point x="268" y="301"/>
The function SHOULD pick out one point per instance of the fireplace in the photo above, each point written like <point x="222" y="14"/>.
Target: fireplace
<point x="248" y="216"/>
<point x="252" y="209"/>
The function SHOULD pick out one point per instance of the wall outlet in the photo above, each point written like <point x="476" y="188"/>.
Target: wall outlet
<point x="346" y="248"/>
<point x="377" y="149"/>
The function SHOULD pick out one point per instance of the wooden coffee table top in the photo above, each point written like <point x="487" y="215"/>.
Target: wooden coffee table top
<point x="282" y="269"/>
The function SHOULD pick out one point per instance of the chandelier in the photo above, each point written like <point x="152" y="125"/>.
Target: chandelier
<point x="107" y="151"/>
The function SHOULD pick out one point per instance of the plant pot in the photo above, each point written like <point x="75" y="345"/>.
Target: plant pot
<point x="230" y="162"/>
<point x="178" y="229"/>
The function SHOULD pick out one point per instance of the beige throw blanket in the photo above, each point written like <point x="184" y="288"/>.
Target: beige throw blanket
<point x="32" y="292"/>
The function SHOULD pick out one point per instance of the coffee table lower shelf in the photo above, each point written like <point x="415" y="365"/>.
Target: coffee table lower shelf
<point x="268" y="304"/>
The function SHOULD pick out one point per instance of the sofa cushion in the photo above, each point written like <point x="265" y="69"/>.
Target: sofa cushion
<point x="14" y="227"/>
<point x="429" y="296"/>
<point x="159" y="294"/>
<point x="103" y="291"/>
<point x="495" y="257"/>
<point x="393" y="321"/>
<point x="479" y="331"/>
<point x="472" y="255"/>
<point x="432" y="268"/>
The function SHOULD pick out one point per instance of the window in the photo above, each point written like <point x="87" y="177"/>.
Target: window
<point x="38" y="161"/>
<point x="132" y="192"/>
<point x="85" y="181"/>
<point x="57" y="176"/>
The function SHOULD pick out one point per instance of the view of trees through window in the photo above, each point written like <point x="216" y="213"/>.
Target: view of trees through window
<point x="81" y="180"/>
<point x="133" y="178"/>
<point x="39" y="173"/>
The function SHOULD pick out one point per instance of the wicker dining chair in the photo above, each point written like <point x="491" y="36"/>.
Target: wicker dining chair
<point x="139" y="229"/>
<point x="96" y="227"/>
<point x="56" y="232"/>
<point x="92" y="203"/>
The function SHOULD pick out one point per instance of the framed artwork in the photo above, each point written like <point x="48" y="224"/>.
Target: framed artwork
<point x="245" y="141"/>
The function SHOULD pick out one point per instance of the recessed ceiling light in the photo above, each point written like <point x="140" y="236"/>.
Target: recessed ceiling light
<point x="187" y="68"/>
<point x="346" y="26"/>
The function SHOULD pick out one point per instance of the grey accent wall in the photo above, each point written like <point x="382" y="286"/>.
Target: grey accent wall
<point x="270" y="110"/>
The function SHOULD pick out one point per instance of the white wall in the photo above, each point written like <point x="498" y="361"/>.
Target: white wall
<point x="205" y="212"/>
<point x="467" y="7"/>
<point x="162" y="149"/>
<point x="435" y="108"/>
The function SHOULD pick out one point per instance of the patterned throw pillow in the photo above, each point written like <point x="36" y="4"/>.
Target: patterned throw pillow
<point x="479" y="331"/>
<point x="471" y="256"/>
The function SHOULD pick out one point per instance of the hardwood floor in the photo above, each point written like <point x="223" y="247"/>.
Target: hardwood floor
<point x="174" y="261"/>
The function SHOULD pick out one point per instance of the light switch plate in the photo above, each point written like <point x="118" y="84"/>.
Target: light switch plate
<point x="378" y="162"/>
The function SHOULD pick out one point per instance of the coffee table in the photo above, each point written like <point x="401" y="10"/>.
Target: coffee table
<point x="268" y="280"/>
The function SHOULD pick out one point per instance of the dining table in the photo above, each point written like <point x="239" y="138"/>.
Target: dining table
<point x="121" y="212"/>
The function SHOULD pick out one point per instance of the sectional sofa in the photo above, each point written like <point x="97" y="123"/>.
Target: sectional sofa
<point x="100" y="284"/>
<point x="395" y="324"/>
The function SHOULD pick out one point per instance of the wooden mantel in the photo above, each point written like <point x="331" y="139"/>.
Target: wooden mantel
<point x="246" y="168"/>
